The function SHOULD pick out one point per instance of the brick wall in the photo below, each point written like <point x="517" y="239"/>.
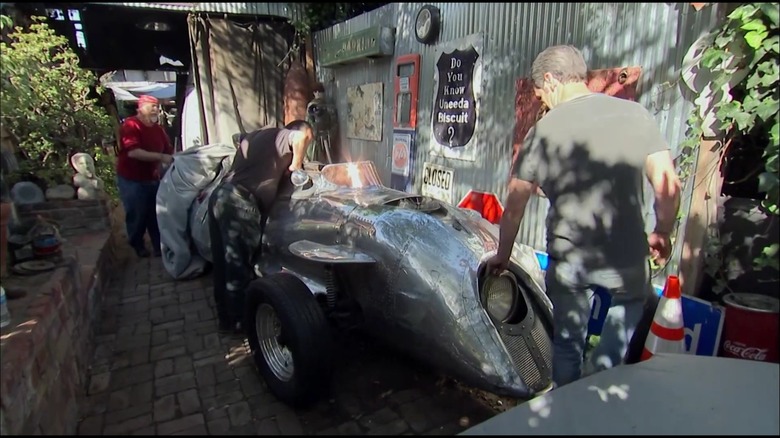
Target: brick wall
<point x="45" y="352"/>
<point x="73" y="216"/>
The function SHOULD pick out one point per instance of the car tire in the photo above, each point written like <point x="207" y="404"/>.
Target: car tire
<point x="291" y="326"/>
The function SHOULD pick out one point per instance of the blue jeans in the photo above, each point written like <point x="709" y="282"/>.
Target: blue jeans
<point x="140" y="202"/>
<point x="569" y="289"/>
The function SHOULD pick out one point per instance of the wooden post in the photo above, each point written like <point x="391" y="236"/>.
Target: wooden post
<point x="707" y="184"/>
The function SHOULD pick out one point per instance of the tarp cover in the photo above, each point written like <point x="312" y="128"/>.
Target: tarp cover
<point x="668" y="394"/>
<point x="181" y="217"/>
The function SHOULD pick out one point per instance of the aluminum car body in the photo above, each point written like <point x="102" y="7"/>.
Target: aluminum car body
<point x="414" y="265"/>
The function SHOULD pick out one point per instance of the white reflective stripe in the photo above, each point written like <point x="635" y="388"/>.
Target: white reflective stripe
<point x="655" y="345"/>
<point x="669" y="313"/>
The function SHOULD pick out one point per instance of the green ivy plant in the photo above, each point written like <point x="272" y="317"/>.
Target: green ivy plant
<point x="747" y="42"/>
<point x="46" y="104"/>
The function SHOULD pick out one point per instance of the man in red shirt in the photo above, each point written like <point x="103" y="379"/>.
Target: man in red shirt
<point x="144" y="147"/>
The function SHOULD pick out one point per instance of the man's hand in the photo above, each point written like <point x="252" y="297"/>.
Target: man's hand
<point x="497" y="264"/>
<point x="660" y="246"/>
<point x="166" y="159"/>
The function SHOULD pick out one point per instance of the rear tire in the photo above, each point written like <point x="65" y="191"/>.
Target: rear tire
<point x="290" y="339"/>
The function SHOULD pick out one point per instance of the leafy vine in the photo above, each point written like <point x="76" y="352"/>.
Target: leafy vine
<point x="742" y="58"/>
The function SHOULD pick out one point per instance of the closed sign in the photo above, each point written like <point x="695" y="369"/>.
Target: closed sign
<point x="437" y="182"/>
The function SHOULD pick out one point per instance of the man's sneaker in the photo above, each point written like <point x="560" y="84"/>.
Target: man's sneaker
<point x="143" y="252"/>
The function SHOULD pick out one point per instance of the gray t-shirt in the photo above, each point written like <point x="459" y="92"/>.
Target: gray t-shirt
<point x="588" y="156"/>
<point x="262" y="160"/>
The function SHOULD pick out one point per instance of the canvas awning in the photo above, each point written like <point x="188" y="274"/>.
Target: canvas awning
<point x="130" y="91"/>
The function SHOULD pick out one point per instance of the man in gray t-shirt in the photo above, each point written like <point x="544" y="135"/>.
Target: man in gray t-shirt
<point x="590" y="156"/>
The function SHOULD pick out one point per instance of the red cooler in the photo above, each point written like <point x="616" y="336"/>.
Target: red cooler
<point x="751" y="328"/>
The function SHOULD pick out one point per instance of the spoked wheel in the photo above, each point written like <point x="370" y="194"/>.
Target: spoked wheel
<point x="276" y="353"/>
<point x="289" y="338"/>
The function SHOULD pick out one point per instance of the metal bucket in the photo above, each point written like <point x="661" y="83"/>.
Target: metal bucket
<point x="751" y="327"/>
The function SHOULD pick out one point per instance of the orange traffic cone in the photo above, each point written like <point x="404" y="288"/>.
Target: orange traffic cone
<point x="666" y="333"/>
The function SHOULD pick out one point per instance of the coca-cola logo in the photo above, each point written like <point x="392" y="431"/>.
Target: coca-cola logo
<point x="741" y="350"/>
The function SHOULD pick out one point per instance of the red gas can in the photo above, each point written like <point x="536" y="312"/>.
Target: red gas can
<point x="751" y="328"/>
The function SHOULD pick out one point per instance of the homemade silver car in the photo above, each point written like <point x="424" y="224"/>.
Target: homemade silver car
<point x="342" y="251"/>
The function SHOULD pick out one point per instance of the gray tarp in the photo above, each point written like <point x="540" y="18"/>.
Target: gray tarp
<point x="668" y="394"/>
<point x="181" y="218"/>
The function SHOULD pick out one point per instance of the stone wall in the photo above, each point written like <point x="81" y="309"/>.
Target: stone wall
<point x="73" y="216"/>
<point x="45" y="352"/>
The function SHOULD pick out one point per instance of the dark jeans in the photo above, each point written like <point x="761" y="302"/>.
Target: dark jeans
<point x="140" y="202"/>
<point x="235" y="229"/>
<point x="569" y="288"/>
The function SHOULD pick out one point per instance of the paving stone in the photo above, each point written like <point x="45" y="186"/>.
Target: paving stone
<point x="268" y="426"/>
<point x="378" y="418"/>
<point x="219" y="426"/>
<point x="165" y="408"/>
<point x="163" y="368"/>
<point x="174" y="383"/>
<point x="166" y="350"/>
<point x="189" y="401"/>
<point x="132" y="375"/>
<point x="395" y="427"/>
<point x="182" y="364"/>
<point x="288" y="423"/>
<point x="181" y="424"/>
<point x="128" y="426"/>
<point x="99" y="383"/>
<point x="146" y="431"/>
<point x="349" y="428"/>
<point x="127" y="413"/>
<point x="205" y="376"/>
<point x="239" y="414"/>
<point x="195" y="430"/>
<point x="91" y="425"/>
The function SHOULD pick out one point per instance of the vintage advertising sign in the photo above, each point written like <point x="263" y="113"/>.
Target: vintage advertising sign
<point x="702" y="321"/>
<point x="437" y="182"/>
<point x="457" y="90"/>
<point x="402" y="160"/>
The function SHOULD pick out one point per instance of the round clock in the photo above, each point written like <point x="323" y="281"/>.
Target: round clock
<point x="426" y="26"/>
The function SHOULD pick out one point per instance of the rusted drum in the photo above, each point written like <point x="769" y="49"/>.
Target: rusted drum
<point x="750" y="327"/>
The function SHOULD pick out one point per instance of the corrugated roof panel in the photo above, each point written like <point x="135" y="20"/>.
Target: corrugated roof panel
<point x="285" y="10"/>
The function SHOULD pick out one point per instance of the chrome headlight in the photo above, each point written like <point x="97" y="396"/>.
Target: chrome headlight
<point x="499" y="296"/>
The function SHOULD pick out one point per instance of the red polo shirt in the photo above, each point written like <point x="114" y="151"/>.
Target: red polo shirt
<point x="134" y="134"/>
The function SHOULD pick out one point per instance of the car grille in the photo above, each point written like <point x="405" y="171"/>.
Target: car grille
<point x="531" y="353"/>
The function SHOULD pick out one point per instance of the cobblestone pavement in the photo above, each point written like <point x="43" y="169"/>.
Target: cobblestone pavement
<point x="161" y="368"/>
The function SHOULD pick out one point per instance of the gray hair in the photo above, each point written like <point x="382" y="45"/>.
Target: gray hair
<point x="564" y="63"/>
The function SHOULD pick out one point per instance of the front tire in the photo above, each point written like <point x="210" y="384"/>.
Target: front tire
<point x="290" y="339"/>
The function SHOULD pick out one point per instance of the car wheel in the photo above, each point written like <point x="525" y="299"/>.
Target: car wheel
<point x="289" y="338"/>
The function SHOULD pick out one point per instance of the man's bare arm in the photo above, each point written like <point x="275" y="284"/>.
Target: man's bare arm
<point x="660" y="172"/>
<point x="519" y="191"/>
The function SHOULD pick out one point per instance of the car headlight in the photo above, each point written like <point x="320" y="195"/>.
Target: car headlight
<point x="499" y="295"/>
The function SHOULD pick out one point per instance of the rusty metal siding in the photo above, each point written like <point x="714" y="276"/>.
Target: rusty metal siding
<point x="655" y="36"/>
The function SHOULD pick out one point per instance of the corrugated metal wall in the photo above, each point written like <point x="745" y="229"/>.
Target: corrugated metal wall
<point x="655" y="36"/>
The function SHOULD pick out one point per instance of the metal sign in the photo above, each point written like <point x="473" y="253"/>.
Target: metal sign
<point x="437" y="182"/>
<point x="374" y="42"/>
<point x="702" y="321"/>
<point x="454" y="111"/>
<point x="458" y="84"/>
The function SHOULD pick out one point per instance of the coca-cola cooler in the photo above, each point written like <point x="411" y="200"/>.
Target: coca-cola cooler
<point x="751" y="327"/>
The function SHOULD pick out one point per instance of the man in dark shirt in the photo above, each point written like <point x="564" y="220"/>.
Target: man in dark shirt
<point x="238" y="208"/>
